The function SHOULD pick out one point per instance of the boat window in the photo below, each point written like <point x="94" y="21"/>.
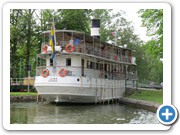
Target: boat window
<point x="105" y="67"/>
<point x="91" y="65"/>
<point x="68" y="61"/>
<point x="101" y="66"/>
<point x="51" y="62"/>
<point x="97" y="66"/>
<point x="87" y="64"/>
<point x="123" y="52"/>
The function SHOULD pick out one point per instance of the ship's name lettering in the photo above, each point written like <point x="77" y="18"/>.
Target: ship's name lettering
<point x="52" y="80"/>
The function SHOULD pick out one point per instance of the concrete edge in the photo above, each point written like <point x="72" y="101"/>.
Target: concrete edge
<point x="147" y="105"/>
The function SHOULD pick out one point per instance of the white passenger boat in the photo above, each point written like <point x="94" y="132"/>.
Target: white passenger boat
<point x="84" y="69"/>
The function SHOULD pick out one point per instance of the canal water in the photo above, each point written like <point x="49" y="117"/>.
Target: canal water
<point x="45" y="113"/>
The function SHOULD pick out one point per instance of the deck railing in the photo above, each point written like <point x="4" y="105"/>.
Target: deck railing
<point x="96" y="52"/>
<point x="22" y="81"/>
<point x="86" y="72"/>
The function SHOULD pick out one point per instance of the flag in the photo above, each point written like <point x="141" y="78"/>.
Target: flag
<point x="52" y="40"/>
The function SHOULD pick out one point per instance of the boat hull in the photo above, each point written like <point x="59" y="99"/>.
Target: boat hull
<point x="80" y="92"/>
<point x="78" y="95"/>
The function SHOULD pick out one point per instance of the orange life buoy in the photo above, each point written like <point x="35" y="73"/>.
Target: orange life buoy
<point x="45" y="73"/>
<point x="62" y="72"/>
<point x="45" y="48"/>
<point x="69" y="48"/>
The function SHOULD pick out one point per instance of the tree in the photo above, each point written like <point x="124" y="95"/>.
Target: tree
<point x="24" y="40"/>
<point x="72" y="19"/>
<point x="153" y="20"/>
<point x="154" y="65"/>
<point x="16" y="39"/>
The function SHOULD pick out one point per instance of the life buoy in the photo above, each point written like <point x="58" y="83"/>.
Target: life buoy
<point x="45" y="48"/>
<point x="62" y="72"/>
<point x="69" y="48"/>
<point x="45" y="73"/>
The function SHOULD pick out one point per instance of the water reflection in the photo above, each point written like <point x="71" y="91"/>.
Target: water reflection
<point x="32" y="113"/>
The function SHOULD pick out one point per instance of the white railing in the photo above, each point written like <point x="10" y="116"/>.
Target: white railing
<point x="92" y="51"/>
<point x="22" y="81"/>
<point x="93" y="73"/>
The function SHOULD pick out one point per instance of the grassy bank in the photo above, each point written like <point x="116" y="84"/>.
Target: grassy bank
<point x="23" y="94"/>
<point x="148" y="95"/>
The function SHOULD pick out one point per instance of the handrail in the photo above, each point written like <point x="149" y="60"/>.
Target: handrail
<point x="95" y="73"/>
<point x="22" y="81"/>
<point x="97" y="52"/>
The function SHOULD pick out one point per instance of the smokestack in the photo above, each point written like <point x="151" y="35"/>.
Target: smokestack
<point x="95" y="27"/>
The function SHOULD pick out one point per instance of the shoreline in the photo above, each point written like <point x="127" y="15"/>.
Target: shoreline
<point x="25" y="98"/>
<point x="147" y="105"/>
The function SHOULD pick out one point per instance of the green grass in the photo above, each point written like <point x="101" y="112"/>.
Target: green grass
<point x="23" y="94"/>
<point x="148" y="95"/>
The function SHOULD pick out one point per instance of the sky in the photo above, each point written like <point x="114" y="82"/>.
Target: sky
<point x="138" y="29"/>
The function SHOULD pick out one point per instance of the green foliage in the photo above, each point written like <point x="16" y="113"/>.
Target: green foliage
<point x="150" y="68"/>
<point x="73" y="19"/>
<point x="153" y="20"/>
<point x="24" y="41"/>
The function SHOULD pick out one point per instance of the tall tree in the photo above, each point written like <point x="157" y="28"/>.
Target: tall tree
<point x="28" y="32"/>
<point x="153" y="20"/>
<point x="15" y="39"/>
<point x="23" y="40"/>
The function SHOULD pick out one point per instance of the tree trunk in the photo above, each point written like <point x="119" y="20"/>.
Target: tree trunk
<point x="13" y="57"/>
<point x="29" y="24"/>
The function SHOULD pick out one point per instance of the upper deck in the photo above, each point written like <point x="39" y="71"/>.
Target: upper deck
<point x="88" y="45"/>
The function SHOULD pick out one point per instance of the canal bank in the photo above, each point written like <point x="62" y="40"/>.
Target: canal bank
<point x="147" y="105"/>
<point x="142" y="98"/>
<point x="25" y="97"/>
<point x="31" y="98"/>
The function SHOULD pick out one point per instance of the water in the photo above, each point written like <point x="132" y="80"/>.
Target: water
<point x="44" y="113"/>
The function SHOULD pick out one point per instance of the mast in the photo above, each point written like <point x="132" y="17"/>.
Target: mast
<point x="53" y="42"/>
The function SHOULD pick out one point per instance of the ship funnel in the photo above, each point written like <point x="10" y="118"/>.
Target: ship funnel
<point x="95" y="27"/>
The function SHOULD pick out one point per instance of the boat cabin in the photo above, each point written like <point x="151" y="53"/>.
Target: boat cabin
<point x="84" y="55"/>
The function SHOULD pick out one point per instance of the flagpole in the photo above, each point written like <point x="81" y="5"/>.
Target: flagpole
<point x="54" y="32"/>
<point x="116" y="38"/>
<point x="54" y="62"/>
<point x="52" y="42"/>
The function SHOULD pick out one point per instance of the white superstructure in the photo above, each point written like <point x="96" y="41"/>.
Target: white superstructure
<point x="85" y="70"/>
